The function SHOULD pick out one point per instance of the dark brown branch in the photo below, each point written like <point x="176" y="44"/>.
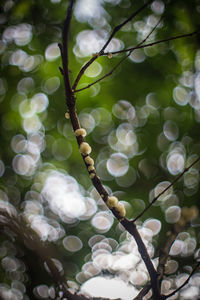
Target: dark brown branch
<point x="182" y="285"/>
<point x="151" y="44"/>
<point x="170" y="185"/>
<point x="65" y="33"/>
<point x="120" y="62"/>
<point x="64" y="54"/>
<point x="103" y="77"/>
<point x="129" y="226"/>
<point x="115" y="30"/>
<point x="82" y="71"/>
<point x="143" y="292"/>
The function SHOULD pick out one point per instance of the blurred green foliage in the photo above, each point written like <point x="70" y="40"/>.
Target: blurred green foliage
<point x="161" y="84"/>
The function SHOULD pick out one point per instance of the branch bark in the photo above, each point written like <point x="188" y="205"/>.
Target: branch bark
<point x="71" y="104"/>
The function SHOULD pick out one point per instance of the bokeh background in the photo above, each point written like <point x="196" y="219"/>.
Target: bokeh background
<point x="143" y="127"/>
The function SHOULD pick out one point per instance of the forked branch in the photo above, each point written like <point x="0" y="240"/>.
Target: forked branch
<point x="112" y="202"/>
<point x="115" y="30"/>
<point x="184" y="283"/>
<point x="85" y="149"/>
<point x="121" y="61"/>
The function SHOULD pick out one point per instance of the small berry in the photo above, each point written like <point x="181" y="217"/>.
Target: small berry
<point x="67" y="115"/>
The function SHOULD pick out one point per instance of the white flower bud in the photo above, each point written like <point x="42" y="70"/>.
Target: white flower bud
<point x="112" y="201"/>
<point x="92" y="175"/>
<point x="121" y="209"/>
<point x="109" y="55"/>
<point x="89" y="160"/>
<point x="67" y="115"/>
<point x="85" y="148"/>
<point x="91" y="168"/>
<point x="80" y="131"/>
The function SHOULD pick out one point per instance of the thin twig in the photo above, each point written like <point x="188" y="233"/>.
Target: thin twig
<point x="115" y="30"/>
<point x="103" y="77"/>
<point x="182" y="285"/>
<point x="151" y="44"/>
<point x="121" y="61"/>
<point x="143" y="292"/>
<point x="170" y="185"/>
<point x="164" y="251"/>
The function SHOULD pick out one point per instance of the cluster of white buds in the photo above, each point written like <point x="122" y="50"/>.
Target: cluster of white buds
<point x="90" y="162"/>
<point x="113" y="202"/>
<point x="85" y="148"/>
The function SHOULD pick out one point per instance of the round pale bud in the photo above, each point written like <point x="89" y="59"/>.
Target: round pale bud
<point x="89" y="160"/>
<point x="121" y="209"/>
<point x="109" y="55"/>
<point x="80" y="131"/>
<point x="85" y="148"/>
<point x="67" y="115"/>
<point x="112" y="201"/>
<point x="91" y="168"/>
<point x="92" y="175"/>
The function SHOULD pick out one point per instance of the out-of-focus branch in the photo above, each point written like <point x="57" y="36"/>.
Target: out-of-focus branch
<point x="45" y="251"/>
<point x="187" y="215"/>
<point x="170" y="185"/>
<point x="115" y="30"/>
<point x="164" y="252"/>
<point x="182" y="285"/>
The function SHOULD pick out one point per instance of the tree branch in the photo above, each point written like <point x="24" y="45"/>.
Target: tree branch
<point x="164" y="252"/>
<point x="115" y="30"/>
<point x="170" y="185"/>
<point x="85" y="150"/>
<point x="182" y="285"/>
<point x="64" y="54"/>
<point x="143" y="292"/>
<point x="121" y="61"/>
